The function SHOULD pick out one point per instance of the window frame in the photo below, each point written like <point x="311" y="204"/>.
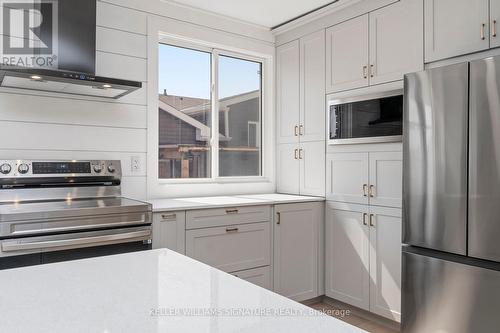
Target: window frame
<point x="214" y="140"/>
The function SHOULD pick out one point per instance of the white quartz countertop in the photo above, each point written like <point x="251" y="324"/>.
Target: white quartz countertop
<point x="150" y="291"/>
<point x="161" y="205"/>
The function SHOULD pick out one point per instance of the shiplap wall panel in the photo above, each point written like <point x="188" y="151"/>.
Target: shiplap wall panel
<point x="134" y="187"/>
<point x="24" y="135"/>
<point x="121" y="42"/>
<point x="125" y="158"/>
<point x="15" y="107"/>
<point x="121" y="18"/>
<point x="120" y="66"/>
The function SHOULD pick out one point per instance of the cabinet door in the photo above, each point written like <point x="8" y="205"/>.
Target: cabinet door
<point x="259" y="276"/>
<point x="385" y="262"/>
<point x="494" y="23"/>
<point x="288" y="172"/>
<point x="288" y="91"/>
<point x="312" y="168"/>
<point x="347" y="254"/>
<point x="455" y="27"/>
<point x="296" y="250"/>
<point x="396" y="41"/>
<point x="312" y="87"/>
<point x="386" y="179"/>
<point x="232" y="248"/>
<point x="347" y="177"/>
<point x="169" y="230"/>
<point x="347" y="55"/>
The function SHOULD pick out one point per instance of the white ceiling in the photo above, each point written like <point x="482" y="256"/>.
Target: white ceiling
<point x="268" y="13"/>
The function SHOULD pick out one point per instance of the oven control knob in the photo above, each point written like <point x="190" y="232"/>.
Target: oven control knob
<point x="23" y="168"/>
<point x="98" y="168"/>
<point x="5" y="168"/>
<point x="111" y="168"/>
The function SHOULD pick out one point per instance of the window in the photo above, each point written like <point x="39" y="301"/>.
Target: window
<point x="191" y="113"/>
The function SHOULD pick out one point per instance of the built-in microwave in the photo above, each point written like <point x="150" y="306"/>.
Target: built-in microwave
<point x="371" y="118"/>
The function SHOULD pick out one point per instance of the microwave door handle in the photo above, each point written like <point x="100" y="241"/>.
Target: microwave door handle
<point x="75" y="242"/>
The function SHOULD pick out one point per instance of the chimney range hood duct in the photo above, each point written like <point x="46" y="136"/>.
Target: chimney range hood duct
<point x="75" y="54"/>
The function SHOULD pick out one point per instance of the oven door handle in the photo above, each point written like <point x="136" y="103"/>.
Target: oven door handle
<point x="76" y="242"/>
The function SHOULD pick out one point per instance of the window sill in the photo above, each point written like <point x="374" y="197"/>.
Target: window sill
<point x="221" y="180"/>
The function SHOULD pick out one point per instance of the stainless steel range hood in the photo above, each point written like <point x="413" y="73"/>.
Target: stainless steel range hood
<point x="74" y="72"/>
<point x="65" y="82"/>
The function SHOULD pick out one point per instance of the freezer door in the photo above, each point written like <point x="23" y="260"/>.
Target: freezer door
<point x="435" y="158"/>
<point x="446" y="296"/>
<point x="484" y="159"/>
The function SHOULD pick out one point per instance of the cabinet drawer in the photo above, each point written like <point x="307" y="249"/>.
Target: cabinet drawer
<point x="169" y="231"/>
<point x="216" y="217"/>
<point x="231" y="248"/>
<point x="259" y="276"/>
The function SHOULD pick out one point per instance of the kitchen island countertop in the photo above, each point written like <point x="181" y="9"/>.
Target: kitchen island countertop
<point x="150" y="291"/>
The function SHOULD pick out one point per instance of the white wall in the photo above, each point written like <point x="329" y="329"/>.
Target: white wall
<point x="44" y="125"/>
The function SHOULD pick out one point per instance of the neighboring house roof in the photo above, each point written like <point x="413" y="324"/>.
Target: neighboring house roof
<point x="181" y="107"/>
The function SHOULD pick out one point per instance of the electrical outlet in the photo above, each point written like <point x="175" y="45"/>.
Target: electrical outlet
<point x="135" y="164"/>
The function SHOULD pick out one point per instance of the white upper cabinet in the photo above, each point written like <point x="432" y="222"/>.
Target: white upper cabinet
<point x="456" y="27"/>
<point x="347" y="55"/>
<point x="396" y="41"/>
<point x="494" y="23"/>
<point x="347" y="177"/>
<point x="296" y="250"/>
<point x="385" y="262"/>
<point x="288" y="91"/>
<point x="375" y="48"/>
<point x="301" y="89"/>
<point x="386" y="179"/>
<point x="312" y="168"/>
<point x="312" y="87"/>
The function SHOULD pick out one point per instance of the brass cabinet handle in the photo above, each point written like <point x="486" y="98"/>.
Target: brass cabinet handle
<point x="371" y="191"/>
<point x="364" y="219"/>
<point x="296" y="130"/>
<point x="372" y="220"/>
<point x="301" y="130"/>
<point x="279" y="218"/>
<point x="365" y="72"/>
<point x="231" y="211"/>
<point x="296" y="154"/>
<point x="231" y="229"/>
<point x="483" y="27"/>
<point x="494" y="29"/>
<point x="300" y="154"/>
<point x="372" y="70"/>
<point x="365" y="187"/>
<point x="168" y="216"/>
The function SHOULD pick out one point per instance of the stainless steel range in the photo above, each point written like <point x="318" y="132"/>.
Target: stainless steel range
<point x="61" y="210"/>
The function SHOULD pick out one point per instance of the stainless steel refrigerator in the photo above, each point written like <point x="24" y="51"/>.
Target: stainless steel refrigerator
<point x="451" y="199"/>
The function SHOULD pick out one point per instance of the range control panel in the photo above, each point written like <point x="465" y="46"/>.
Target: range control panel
<point x="51" y="168"/>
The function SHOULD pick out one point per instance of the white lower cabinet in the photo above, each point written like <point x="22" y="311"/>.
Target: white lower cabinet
<point x="385" y="262"/>
<point x="259" y="276"/>
<point x="347" y="255"/>
<point x="373" y="178"/>
<point x="169" y="230"/>
<point x="231" y="248"/>
<point x="298" y="250"/>
<point x="363" y="257"/>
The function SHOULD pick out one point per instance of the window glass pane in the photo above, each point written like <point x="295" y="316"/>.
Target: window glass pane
<point x="239" y="117"/>
<point x="184" y="113"/>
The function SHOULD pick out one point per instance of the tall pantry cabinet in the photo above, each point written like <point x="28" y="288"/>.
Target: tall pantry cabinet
<point x="301" y="115"/>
